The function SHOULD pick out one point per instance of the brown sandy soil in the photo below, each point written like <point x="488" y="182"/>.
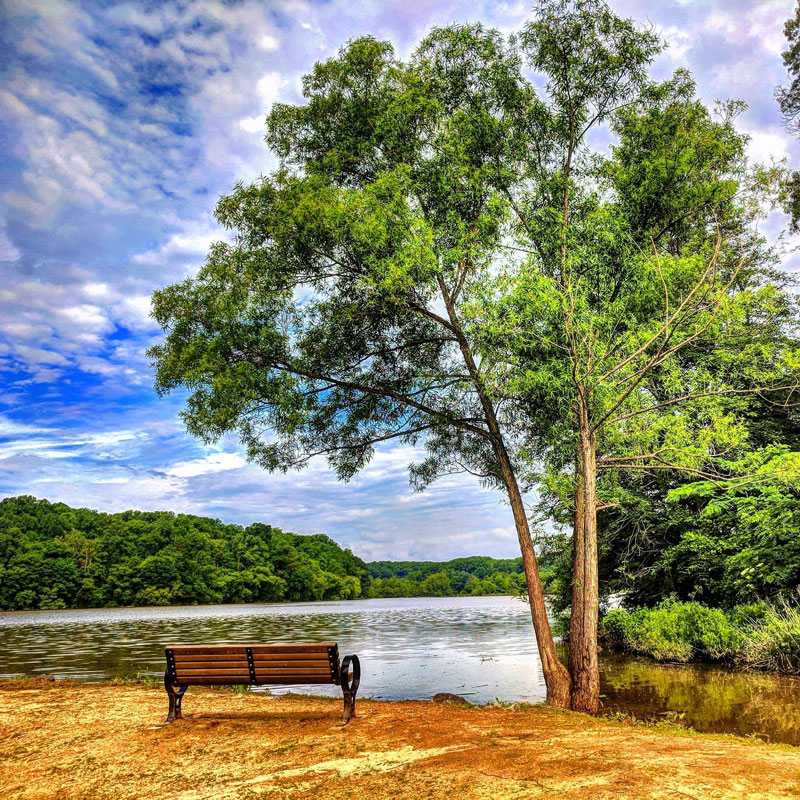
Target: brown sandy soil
<point x="67" y="741"/>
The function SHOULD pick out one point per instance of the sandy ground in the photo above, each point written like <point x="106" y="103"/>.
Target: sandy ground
<point x="66" y="741"/>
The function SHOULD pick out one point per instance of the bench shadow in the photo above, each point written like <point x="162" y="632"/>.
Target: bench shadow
<point x="218" y="718"/>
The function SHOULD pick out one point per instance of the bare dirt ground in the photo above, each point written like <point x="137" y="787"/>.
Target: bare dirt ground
<point x="68" y="741"/>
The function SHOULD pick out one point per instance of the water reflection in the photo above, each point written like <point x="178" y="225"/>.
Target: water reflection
<point x="712" y="698"/>
<point x="479" y="647"/>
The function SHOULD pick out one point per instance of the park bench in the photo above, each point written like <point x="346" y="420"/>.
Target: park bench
<point x="259" y="665"/>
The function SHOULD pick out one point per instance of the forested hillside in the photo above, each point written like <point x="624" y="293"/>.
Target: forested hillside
<point x="54" y="556"/>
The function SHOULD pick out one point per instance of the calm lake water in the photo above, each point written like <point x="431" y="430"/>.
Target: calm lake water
<point x="480" y="647"/>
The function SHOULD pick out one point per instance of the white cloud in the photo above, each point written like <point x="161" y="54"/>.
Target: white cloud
<point x="252" y="124"/>
<point x="8" y="252"/>
<point x="215" y="462"/>
<point x="766" y="146"/>
<point x="268" y="42"/>
<point x="9" y="427"/>
<point x="38" y="355"/>
<point x="188" y="248"/>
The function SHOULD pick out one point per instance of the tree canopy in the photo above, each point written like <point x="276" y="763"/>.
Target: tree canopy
<point x="663" y="327"/>
<point x="444" y="258"/>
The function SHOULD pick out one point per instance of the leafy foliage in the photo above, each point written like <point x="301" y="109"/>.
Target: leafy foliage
<point x="674" y="632"/>
<point x="774" y="643"/>
<point x="719" y="544"/>
<point x="54" y="556"/>
<point x="759" y="636"/>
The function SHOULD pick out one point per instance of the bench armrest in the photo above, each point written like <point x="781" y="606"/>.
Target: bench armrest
<point x="348" y="686"/>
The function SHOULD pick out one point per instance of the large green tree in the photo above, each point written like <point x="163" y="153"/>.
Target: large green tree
<point x="441" y="259"/>
<point x="334" y="319"/>
<point x="660" y="330"/>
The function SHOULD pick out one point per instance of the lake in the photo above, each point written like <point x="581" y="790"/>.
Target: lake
<point x="482" y="648"/>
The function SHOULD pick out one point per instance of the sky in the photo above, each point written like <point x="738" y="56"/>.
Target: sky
<point x="121" y="124"/>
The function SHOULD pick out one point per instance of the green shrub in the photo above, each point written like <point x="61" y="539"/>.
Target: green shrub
<point x="774" y="643"/>
<point x="710" y="631"/>
<point x="673" y="632"/>
<point x="749" y="615"/>
<point x="619" y="626"/>
<point x="660" y="635"/>
<point x="757" y="635"/>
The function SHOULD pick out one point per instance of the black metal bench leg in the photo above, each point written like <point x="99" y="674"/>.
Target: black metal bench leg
<point x="175" y="696"/>
<point x="349" y="686"/>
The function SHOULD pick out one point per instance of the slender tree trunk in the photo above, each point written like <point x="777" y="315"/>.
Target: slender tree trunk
<point x="583" y="664"/>
<point x="555" y="674"/>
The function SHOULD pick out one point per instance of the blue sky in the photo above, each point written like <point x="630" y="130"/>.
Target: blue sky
<point x="120" y="126"/>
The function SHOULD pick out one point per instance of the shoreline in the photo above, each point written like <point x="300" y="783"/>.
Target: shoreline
<point x="77" y="741"/>
<point x="90" y="609"/>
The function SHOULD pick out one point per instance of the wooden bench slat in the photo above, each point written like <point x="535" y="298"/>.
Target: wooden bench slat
<point x="241" y="658"/>
<point x="270" y="673"/>
<point x="212" y="680"/>
<point x="225" y="679"/>
<point x="275" y="664"/>
<point x="245" y="670"/>
<point x="261" y="649"/>
<point x="290" y="656"/>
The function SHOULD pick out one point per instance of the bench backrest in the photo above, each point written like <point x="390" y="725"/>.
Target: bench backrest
<point x="189" y="664"/>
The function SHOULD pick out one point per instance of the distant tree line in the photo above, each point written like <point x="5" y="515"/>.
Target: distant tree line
<point x="475" y="575"/>
<point x="55" y="556"/>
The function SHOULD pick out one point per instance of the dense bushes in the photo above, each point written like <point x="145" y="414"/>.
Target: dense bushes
<point x="774" y="642"/>
<point x="754" y="635"/>
<point x="673" y="632"/>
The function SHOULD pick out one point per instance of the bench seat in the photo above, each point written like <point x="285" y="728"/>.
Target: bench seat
<point x="259" y="665"/>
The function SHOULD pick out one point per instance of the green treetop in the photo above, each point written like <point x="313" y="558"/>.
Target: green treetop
<point x="661" y="326"/>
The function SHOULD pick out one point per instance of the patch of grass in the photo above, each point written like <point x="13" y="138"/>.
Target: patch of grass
<point x="671" y="721"/>
<point x="774" y="642"/>
<point x="139" y="679"/>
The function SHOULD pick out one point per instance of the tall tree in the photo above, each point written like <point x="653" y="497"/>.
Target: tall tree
<point x="661" y="329"/>
<point x="334" y="320"/>
<point x="442" y="260"/>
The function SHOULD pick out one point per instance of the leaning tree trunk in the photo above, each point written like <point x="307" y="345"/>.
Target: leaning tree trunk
<point x="583" y="665"/>
<point x="555" y="674"/>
